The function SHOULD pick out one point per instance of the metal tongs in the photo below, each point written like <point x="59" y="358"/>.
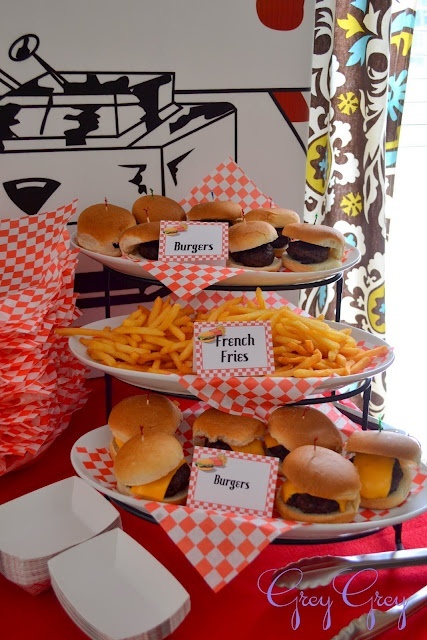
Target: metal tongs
<point x="320" y="570"/>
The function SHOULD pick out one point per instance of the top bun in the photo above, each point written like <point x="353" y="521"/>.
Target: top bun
<point x="145" y="459"/>
<point x="132" y="237"/>
<point x="217" y="210"/>
<point x="144" y="413"/>
<point x="248" y="235"/>
<point x="232" y="429"/>
<point x="322" y="473"/>
<point x="100" y="226"/>
<point x="293" y="427"/>
<point x="276" y="216"/>
<point x="317" y="234"/>
<point x="157" y="207"/>
<point x="385" y="443"/>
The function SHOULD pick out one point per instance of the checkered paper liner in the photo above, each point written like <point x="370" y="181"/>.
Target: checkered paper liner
<point x="227" y="182"/>
<point x="218" y="545"/>
<point x="40" y="381"/>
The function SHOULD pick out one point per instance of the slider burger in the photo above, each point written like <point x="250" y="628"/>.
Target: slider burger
<point x="320" y="486"/>
<point x="292" y="427"/>
<point x="312" y="247"/>
<point x="100" y="226"/>
<point x="153" y="467"/>
<point x="385" y="461"/>
<point x="141" y="240"/>
<point x="216" y="211"/>
<point x="250" y="245"/>
<point x="154" y="208"/>
<point x="229" y="432"/>
<point x="279" y="218"/>
<point x="142" y="413"/>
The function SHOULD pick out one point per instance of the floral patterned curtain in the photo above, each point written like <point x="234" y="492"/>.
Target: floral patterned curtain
<point x="361" y="57"/>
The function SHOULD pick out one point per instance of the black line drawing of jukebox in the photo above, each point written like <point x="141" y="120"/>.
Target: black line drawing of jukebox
<point x="95" y="134"/>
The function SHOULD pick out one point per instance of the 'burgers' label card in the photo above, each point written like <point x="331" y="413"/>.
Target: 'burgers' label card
<point x="233" y="348"/>
<point x="182" y="241"/>
<point x="232" y="481"/>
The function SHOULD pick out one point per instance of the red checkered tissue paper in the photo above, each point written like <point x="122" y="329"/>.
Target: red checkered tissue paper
<point x="40" y="381"/>
<point x="227" y="182"/>
<point x="249" y="395"/>
<point x="218" y="545"/>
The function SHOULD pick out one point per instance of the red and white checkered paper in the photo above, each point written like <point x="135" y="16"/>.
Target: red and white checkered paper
<point x="40" y="381"/>
<point x="218" y="545"/>
<point x="227" y="182"/>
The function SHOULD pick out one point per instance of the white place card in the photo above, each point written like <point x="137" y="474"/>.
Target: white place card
<point x="205" y="242"/>
<point x="231" y="481"/>
<point x="233" y="348"/>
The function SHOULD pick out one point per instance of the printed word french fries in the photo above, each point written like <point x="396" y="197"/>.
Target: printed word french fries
<point x="160" y="339"/>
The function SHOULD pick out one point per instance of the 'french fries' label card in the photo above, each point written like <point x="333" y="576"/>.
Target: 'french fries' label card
<point x="182" y="241"/>
<point x="243" y="483"/>
<point x="225" y="349"/>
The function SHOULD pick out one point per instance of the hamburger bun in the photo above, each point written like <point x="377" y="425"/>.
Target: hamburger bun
<point x="216" y="211"/>
<point x="143" y="460"/>
<point x="314" y="472"/>
<point x="233" y="430"/>
<point x="100" y="226"/>
<point x="386" y="461"/>
<point x="142" y="414"/>
<point x="278" y="218"/>
<point x="293" y="427"/>
<point x="131" y="239"/>
<point x="255" y="234"/>
<point x="317" y="235"/>
<point x="155" y="208"/>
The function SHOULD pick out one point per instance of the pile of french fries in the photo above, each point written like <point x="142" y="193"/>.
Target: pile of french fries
<point x="160" y="339"/>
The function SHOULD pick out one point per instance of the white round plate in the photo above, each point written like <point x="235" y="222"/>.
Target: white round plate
<point x="169" y="383"/>
<point x="250" y="278"/>
<point x="99" y="439"/>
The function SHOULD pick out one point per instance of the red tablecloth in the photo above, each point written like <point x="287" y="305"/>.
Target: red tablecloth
<point x="239" y="610"/>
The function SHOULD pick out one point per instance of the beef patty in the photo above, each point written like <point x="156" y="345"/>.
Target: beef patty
<point x="307" y="253"/>
<point x="261" y="256"/>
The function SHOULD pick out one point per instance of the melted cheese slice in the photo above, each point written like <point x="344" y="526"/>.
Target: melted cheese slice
<point x="375" y="474"/>
<point x="253" y="447"/>
<point x="155" y="490"/>
<point x="270" y="441"/>
<point x="118" y="442"/>
<point x="288" y="490"/>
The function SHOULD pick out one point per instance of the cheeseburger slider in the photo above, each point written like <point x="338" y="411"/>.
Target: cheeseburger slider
<point x="144" y="414"/>
<point x="229" y="432"/>
<point x="320" y="486"/>
<point x="153" y="467"/>
<point x="154" y="208"/>
<point x="279" y="218"/>
<point x="312" y="247"/>
<point x="100" y="226"/>
<point x="292" y="427"/>
<point x="141" y="240"/>
<point x="216" y="211"/>
<point x="250" y="245"/>
<point x="385" y="461"/>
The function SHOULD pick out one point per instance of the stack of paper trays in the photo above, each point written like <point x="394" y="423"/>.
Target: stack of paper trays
<point x="113" y="589"/>
<point x="37" y="526"/>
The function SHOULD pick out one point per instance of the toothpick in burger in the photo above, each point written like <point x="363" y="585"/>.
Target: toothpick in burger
<point x="100" y="226"/>
<point x="144" y="413"/>
<point x="152" y="208"/>
<point x="386" y="462"/>
<point x="141" y="240"/>
<point x="312" y="247"/>
<point x="229" y="432"/>
<point x="320" y="486"/>
<point x="279" y="218"/>
<point x="216" y="211"/>
<point x="251" y="246"/>
<point x="153" y="467"/>
<point x="292" y="427"/>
